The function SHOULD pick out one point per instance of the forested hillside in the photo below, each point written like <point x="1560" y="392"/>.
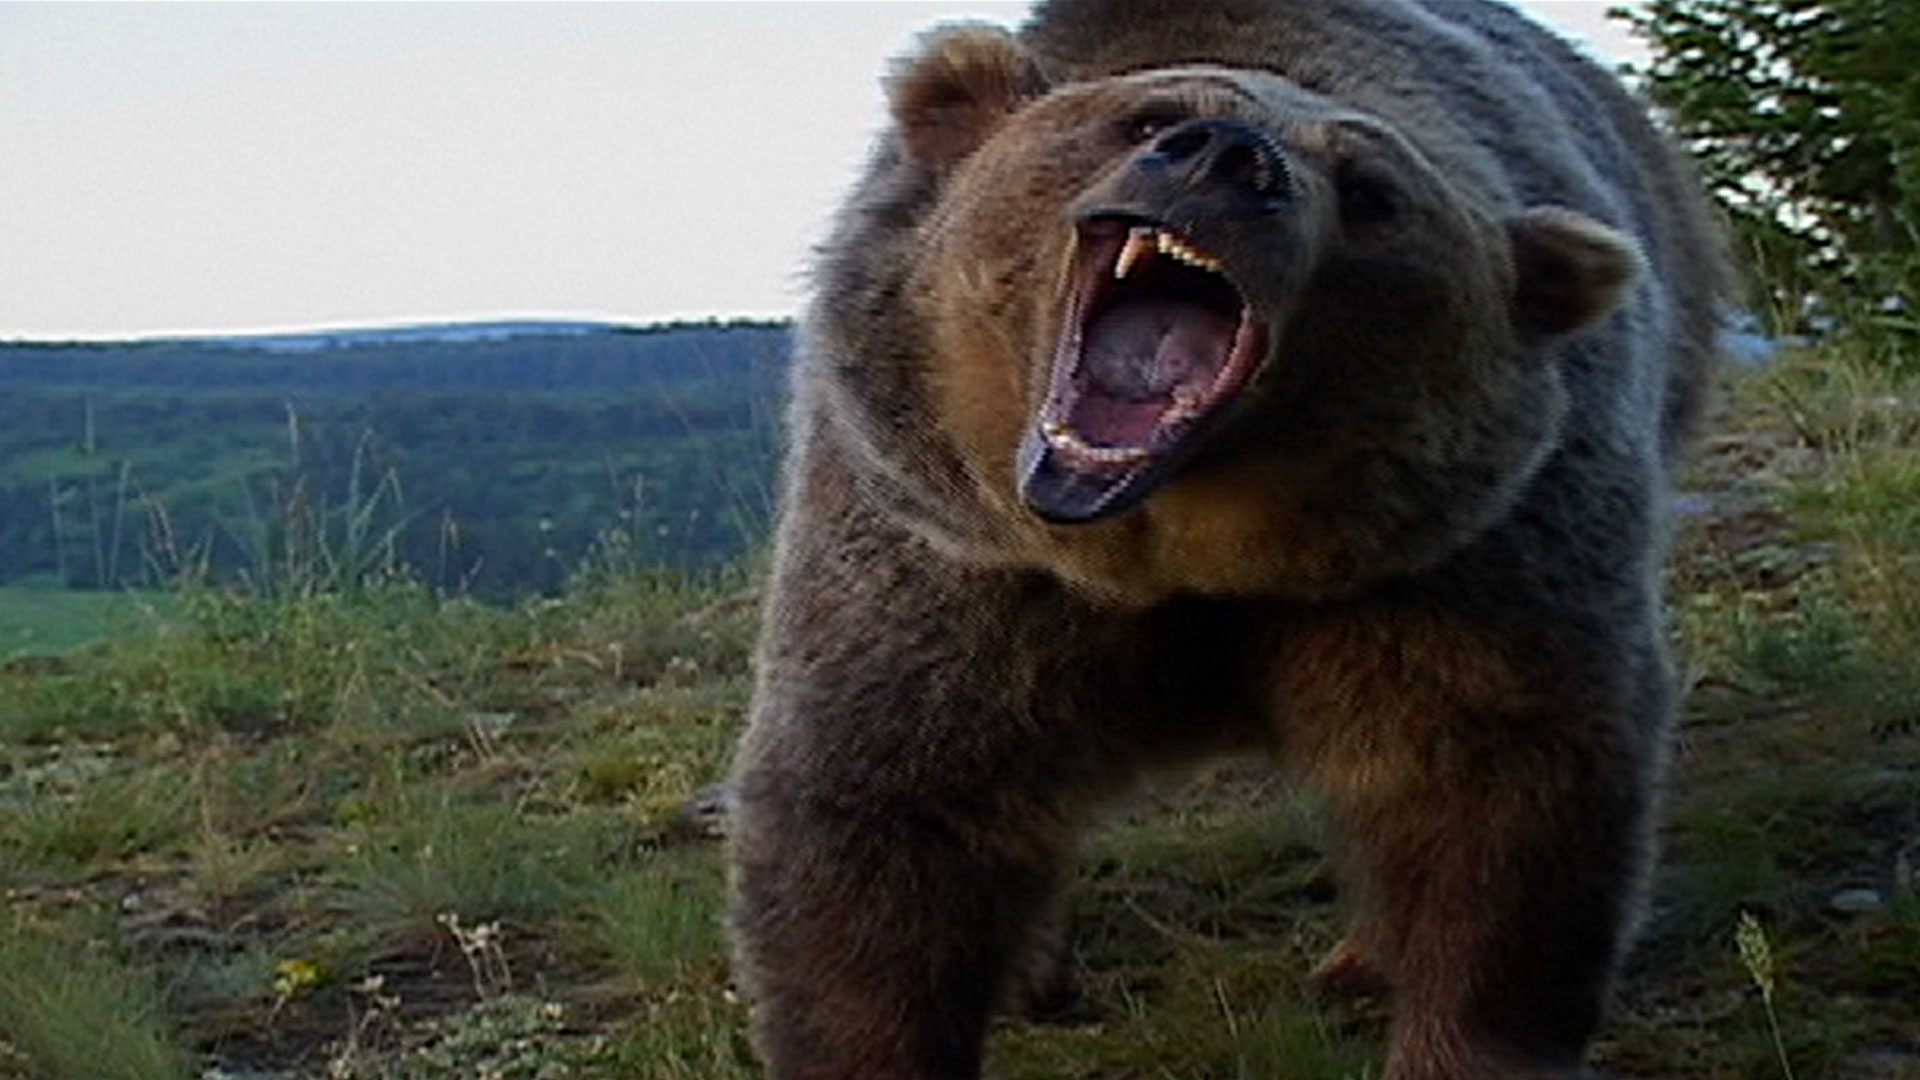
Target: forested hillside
<point x="490" y="458"/>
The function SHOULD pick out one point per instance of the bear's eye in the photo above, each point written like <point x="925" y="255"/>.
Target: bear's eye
<point x="1365" y="197"/>
<point x="1150" y="120"/>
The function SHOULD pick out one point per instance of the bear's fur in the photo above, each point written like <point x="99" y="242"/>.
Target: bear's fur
<point x="1194" y="377"/>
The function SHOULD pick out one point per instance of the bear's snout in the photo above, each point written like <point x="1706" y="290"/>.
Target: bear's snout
<point x="1213" y="153"/>
<point x="1201" y="170"/>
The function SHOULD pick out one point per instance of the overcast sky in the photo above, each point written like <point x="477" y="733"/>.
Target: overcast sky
<point x="197" y="168"/>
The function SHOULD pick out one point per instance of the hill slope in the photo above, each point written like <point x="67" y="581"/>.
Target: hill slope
<point x="489" y="456"/>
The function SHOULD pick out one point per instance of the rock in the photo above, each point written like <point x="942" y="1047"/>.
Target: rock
<point x="1858" y="902"/>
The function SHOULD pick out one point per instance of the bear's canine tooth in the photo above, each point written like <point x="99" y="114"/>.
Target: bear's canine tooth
<point x="1139" y="243"/>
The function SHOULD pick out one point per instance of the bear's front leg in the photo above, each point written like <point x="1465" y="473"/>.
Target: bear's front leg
<point x="1494" y="797"/>
<point x="903" y="798"/>
<point x="1503" y="915"/>
<point x="877" y="934"/>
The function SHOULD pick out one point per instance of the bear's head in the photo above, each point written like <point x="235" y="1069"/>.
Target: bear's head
<point x="1202" y="329"/>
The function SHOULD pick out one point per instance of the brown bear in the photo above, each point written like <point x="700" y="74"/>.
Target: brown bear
<point x="1187" y="378"/>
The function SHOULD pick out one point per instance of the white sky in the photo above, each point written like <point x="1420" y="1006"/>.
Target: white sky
<point x="201" y="168"/>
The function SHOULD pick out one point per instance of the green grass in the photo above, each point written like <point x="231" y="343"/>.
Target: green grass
<point x="52" y="622"/>
<point x="697" y="1034"/>
<point x="1799" y="762"/>
<point x="119" y="813"/>
<point x="75" y="1011"/>
<point x="659" y="921"/>
<point x="283" y="806"/>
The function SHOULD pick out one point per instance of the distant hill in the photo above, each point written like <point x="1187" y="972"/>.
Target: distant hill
<point x="457" y="333"/>
<point x="487" y="456"/>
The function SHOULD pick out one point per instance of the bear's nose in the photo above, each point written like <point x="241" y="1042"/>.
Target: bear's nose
<point x="1215" y="150"/>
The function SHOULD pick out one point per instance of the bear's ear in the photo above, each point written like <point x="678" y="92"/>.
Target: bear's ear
<point x="1570" y="271"/>
<point x="956" y="89"/>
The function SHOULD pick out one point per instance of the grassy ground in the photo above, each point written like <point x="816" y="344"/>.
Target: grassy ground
<point x="44" y="621"/>
<point x="384" y="835"/>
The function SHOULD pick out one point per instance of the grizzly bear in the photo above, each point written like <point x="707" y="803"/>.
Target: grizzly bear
<point x="1187" y="378"/>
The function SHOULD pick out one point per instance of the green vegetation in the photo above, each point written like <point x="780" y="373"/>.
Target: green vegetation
<point x="1797" y="589"/>
<point x="77" y="1012"/>
<point x="1805" y="117"/>
<point x="1795" y="821"/>
<point x="48" y="621"/>
<point x="370" y="832"/>
<point x="480" y="464"/>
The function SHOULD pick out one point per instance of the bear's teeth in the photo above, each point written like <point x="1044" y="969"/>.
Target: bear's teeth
<point x="1068" y="441"/>
<point x="1143" y="241"/>
<point x="1139" y="243"/>
<point x="1187" y="402"/>
<point x="1170" y="244"/>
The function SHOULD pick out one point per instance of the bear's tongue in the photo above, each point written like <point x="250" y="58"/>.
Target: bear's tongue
<point x="1141" y="358"/>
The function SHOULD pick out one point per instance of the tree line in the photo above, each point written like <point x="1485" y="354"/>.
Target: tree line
<point x="495" y="466"/>
<point x="1805" y="118"/>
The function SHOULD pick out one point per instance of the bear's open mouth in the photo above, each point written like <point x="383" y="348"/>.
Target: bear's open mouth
<point x="1156" y="340"/>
